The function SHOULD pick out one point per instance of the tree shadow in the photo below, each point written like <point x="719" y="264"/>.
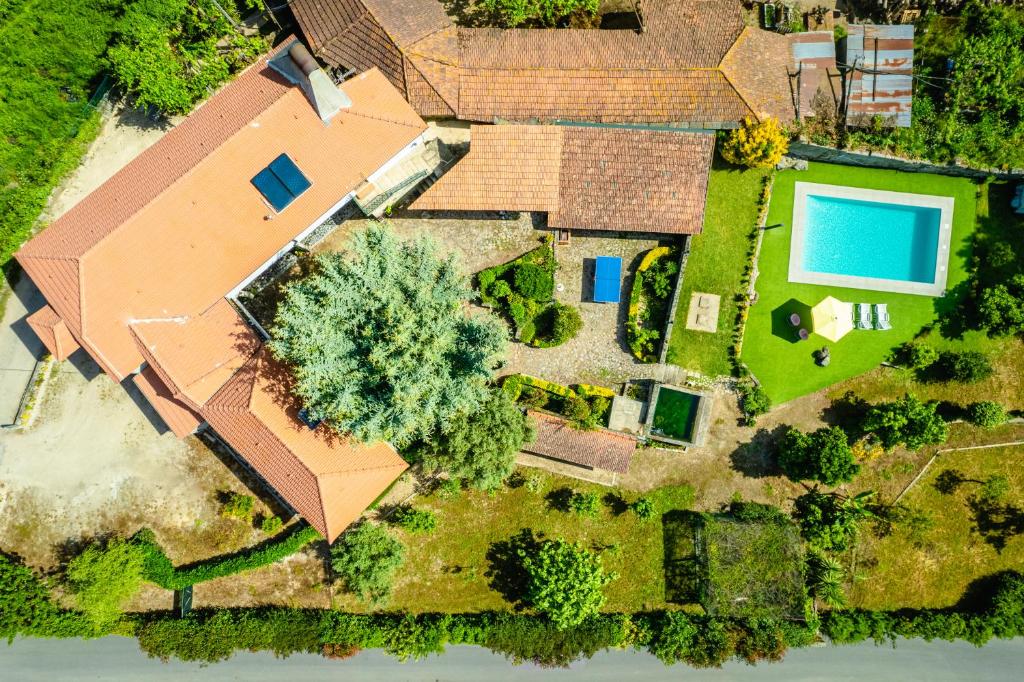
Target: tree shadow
<point x="782" y="324"/>
<point x="996" y="522"/>
<point x="683" y="571"/>
<point x="949" y="481"/>
<point x="616" y="504"/>
<point x="505" y="566"/>
<point x="756" y="458"/>
<point x="559" y="498"/>
<point x="848" y="413"/>
<point x="980" y="592"/>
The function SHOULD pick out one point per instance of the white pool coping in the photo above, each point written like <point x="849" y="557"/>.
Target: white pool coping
<point x="798" y="274"/>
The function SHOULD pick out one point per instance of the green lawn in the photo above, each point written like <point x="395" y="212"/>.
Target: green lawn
<point x="448" y="570"/>
<point x="786" y="367"/>
<point x="715" y="266"/>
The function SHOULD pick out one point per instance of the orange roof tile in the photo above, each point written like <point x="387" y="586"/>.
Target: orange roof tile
<point x="329" y="480"/>
<point x="179" y="418"/>
<point x="52" y="331"/>
<point x="584" y="177"/>
<point x="600" y="449"/>
<point x="757" y="65"/>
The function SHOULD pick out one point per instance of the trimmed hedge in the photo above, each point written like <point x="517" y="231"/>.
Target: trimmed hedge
<point x="159" y="569"/>
<point x="591" y="391"/>
<point x="544" y="385"/>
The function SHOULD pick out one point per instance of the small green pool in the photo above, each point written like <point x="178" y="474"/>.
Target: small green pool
<point x="675" y="414"/>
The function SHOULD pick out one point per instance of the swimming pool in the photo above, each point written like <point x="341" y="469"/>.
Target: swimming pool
<point x="870" y="239"/>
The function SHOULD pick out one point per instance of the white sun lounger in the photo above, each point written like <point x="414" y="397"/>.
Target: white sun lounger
<point x="882" y="316"/>
<point x="863" y="318"/>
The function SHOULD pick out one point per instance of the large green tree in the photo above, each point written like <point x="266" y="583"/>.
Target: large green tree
<point x="103" y="577"/>
<point x="564" y="581"/>
<point x="380" y="341"/>
<point x="823" y="455"/>
<point x="829" y="521"/>
<point x="366" y="559"/>
<point x="906" y="420"/>
<point x="480" y="448"/>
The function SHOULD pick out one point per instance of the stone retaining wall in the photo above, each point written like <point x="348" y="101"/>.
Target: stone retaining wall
<point x="813" y="152"/>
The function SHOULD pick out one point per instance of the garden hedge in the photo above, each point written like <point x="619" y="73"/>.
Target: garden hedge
<point x="633" y="329"/>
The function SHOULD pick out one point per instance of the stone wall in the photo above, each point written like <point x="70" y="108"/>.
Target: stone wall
<point x="813" y="152"/>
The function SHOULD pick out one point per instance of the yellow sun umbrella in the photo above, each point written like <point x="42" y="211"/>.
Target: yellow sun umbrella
<point x="832" y="318"/>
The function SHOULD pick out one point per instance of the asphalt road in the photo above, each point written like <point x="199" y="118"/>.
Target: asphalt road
<point x="118" y="658"/>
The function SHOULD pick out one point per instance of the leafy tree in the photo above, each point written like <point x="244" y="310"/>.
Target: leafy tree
<point x="823" y="455"/>
<point x="754" y="402"/>
<point x="564" y="581"/>
<point x="987" y="414"/>
<point x="1001" y="308"/>
<point x="379" y="341"/>
<point x="104" y="577"/>
<point x="366" y="559"/>
<point x="916" y="355"/>
<point x="480" y="448"/>
<point x="908" y="421"/>
<point x="659" y="276"/>
<point x="829" y="521"/>
<point x="533" y="281"/>
<point x="567" y="323"/>
<point x="414" y="520"/>
<point x="967" y="366"/>
<point x="585" y="504"/>
<point x="643" y="508"/>
<point x="757" y="144"/>
<point x="542" y="12"/>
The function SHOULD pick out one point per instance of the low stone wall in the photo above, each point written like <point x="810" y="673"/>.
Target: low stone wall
<point x="667" y="335"/>
<point x="813" y="152"/>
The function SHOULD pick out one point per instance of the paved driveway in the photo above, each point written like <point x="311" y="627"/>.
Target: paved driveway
<point x="19" y="347"/>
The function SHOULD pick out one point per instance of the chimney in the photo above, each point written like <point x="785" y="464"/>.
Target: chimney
<point x="297" y="65"/>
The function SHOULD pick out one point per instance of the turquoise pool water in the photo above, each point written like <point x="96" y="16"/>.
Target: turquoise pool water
<point x="871" y="239"/>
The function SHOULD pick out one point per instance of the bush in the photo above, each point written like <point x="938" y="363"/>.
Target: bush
<point x="238" y="506"/>
<point x="27" y="609"/>
<point x="271" y="524"/>
<point x="577" y="410"/>
<point x="366" y="559"/>
<point x="103" y="578"/>
<point x="966" y="366"/>
<point x="547" y="13"/>
<point x="501" y="289"/>
<point x="823" y="455"/>
<point x="757" y="144"/>
<point x="828" y="521"/>
<point x="987" y="414"/>
<point x="908" y="421"/>
<point x="659" y="276"/>
<point x="643" y="508"/>
<point x="564" y="581"/>
<point x="567" y="323"/>
<point x="585" y="504"/>
<point x="533" y="281"/>
<point x="753" y="401"/>
<point x="916" y="355"/>
<point x="1001" y="308"/>
<point x="414" y="520"/>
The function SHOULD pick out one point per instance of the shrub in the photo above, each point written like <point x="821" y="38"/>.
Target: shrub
<point x="823" y="455"/>
<point x="754" y="401"/>
<point x="26" y="607"/>
<point x="908" y="421"/>
<point x="271" y="524"/>
<point x="916" y="355"/>
<point x="414" y="520"/>
<point x="577" y="410"/>
<point x="968" y="366"/>
<point x="484" y="280"/>
<point x="757" y="144"/>
<point x="449" y="489"/>
<point x="564" y="581"/>
<point x="366" y="558"/>
<point x="585" y="504"/>
<point x="238" y="506"/>
<point x="987" y="414"/>
<point x="501" y="289"/>
<point x="828" y="521"/>
<point x="517" y="310"/>
<point x="1001" y="308"/>
<point x="659" y="276"/>
<point x="104" y="577"/>
<point x="533" y="281"/>
<point x="643" y="508"/>
<point x="567" y="323"/>
<point x="544" y="12"/>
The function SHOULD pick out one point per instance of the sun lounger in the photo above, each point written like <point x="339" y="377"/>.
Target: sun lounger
<point x="863" y="318"/>
<point x="882" y="316"/>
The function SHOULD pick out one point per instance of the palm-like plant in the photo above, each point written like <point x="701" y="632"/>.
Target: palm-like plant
<point x="826" y="580"/>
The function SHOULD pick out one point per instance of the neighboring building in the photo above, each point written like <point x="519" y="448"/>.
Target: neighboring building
<point x="598" y="449"/>
<point x="583" y="177"/>
<point x="694" y="63"/>
<point x="817" y="80"/>
<point x="141" y="273"/>
<point x="882" y="79"/>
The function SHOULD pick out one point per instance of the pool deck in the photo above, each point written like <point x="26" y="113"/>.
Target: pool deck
<point x="797" y="273"/>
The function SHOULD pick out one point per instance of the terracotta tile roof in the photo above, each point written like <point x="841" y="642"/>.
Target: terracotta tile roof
<point x="182" y="225"/>
<point x="600" y="449"/>
<point x="52" y="331"/>
<point x="584" y="177"/>
<point x="757" y="65"/>
<point x="673" y="71"/>
<point x="195" y="356"/>
<point x="179" y="418"/>
<point x="327" y="479"/>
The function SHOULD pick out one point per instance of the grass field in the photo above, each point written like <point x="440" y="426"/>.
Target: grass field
<point x="448" y="570"/>
<point x="715" y="266"/>
<point x="786" y="366"/>
<point x="937" y="564"/>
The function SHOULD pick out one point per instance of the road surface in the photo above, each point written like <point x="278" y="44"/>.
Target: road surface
<point x="119" y="659"/>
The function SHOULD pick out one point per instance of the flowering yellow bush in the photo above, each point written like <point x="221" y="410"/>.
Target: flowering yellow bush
<point x="757" y="144"/>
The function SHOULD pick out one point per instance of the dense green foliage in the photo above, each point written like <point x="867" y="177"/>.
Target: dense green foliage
<point x="649" y="301"/>
<point x="379" y="343"/>
<point x="829" y="521"/>
<point x="414" y="520"/>
<point x="512" y="13"/>
<point x="1001" y="307"/>
<point x="566" y="323"/>
<point x="366" y="558"/>
<point x="532" y="281"/>
<point x="644" y="509"/>
<point x="906" y="420"/>
<point x="271" y="524"/>
<point x="564" y="581"/>
<point x="965" y="366"/>
<point x="753" y="401"/>
<point x="170" y="54"/>
<point x="26" y="607"/>
<point x="157" y="568"/>
<point x="986" y="413"/>
<point x="480" y="448"/>
<point x="823" y="455"/>
<point x="238" y="506"/>
<point x="974" y="112"/>
<point x="103" y="578"/>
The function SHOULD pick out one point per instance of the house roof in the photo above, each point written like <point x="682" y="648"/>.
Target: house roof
<point x="672" y="71"/>
<point x="584" y="177"/>
<point x="328" y="479"/>
<point x="52" y="331"/>
<point x="882" y="57"/>
<point x="181" y="225"/>
<point x="180" y="419"/>
<point x="814" y="56"/>
<point x="599" y="449"/>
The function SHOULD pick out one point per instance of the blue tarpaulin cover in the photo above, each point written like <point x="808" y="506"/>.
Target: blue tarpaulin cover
<point x="607" y="277"/>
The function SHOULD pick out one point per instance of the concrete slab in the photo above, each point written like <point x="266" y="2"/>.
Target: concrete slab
<point x="702" y="315"/>
<point x="19" y="346"/>
<point x="626" y="415"/>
